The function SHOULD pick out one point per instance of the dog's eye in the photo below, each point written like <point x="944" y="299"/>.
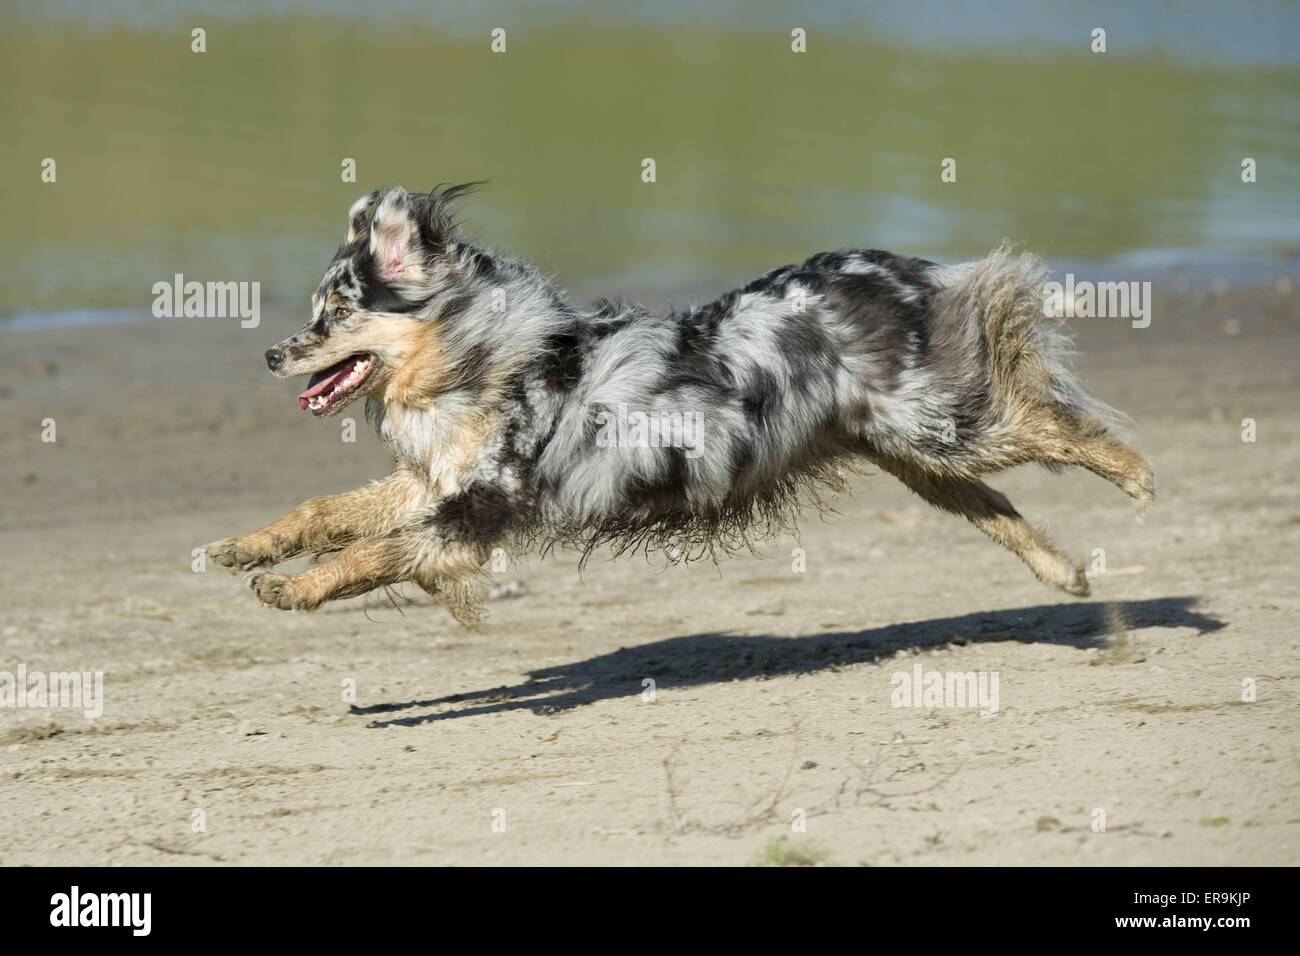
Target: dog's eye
<point x="342" y="313"/>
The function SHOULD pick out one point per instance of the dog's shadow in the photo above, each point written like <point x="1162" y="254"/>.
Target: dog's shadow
<point x="714" y="658"/>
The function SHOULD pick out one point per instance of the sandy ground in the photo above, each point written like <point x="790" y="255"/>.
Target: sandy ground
<point x="533" y="743"/>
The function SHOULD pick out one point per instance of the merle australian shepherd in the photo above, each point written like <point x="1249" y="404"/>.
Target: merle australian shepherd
<point x="493" y="391"/>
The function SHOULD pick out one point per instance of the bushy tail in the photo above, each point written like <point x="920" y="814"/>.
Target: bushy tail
<point x="1029" y="353"/>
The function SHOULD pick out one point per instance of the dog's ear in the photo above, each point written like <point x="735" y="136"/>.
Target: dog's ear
<point x="408" y="230"/>
<point x="394" y="236"/>
<point x="357" y="223"/>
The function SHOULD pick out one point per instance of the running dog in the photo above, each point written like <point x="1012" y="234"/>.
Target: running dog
<point x="497" y="397"/>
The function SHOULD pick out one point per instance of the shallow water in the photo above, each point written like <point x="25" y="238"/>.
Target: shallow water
<point x="225" y="165"/>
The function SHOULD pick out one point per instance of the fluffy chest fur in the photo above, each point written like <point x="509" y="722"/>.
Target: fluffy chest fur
<point x="448" y="444"/>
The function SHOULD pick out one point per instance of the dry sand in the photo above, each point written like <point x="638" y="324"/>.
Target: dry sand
<point x="772" y="687"/>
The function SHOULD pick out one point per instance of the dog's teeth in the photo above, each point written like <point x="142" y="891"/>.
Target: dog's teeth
<point x="340" y="388"/>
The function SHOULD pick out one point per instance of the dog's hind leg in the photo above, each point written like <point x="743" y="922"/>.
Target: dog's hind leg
<point x="1108" y="457"/>
<point x="991" y="512"/>
<point x="1051" y="436"/>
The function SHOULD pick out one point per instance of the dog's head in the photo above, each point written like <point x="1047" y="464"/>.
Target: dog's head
<point x="370" y="328"/>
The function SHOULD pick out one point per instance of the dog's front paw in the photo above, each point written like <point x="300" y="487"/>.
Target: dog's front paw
<point x="239" y="554"/>
<point x="278" y="591"/>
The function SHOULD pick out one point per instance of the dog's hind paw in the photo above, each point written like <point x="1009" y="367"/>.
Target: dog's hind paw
<point x="237" y="554"/>
<point x="1141" y="487"/>
<point x="278" y="591"/>
<point x="1058" y="572"/>
<point x="1076" y="582"/>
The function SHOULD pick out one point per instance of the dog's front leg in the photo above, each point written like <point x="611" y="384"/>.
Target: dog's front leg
<point x="323" y="524"/>
<point x="447" y="569"/>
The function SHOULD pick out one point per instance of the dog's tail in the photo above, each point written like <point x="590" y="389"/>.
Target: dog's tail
<point x="1028" y="353"/>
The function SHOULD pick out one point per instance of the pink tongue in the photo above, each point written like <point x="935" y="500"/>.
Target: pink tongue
<point x="324" y="381"/>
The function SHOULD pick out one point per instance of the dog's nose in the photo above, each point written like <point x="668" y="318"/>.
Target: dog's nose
<point x="274" y="358"/>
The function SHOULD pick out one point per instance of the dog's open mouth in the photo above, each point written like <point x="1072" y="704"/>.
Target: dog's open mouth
<point x="336" y="385"/>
